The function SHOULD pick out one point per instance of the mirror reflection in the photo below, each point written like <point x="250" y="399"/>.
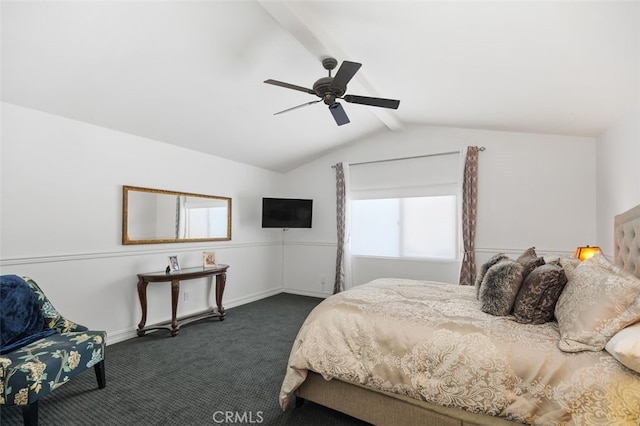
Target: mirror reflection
<point x="153" y="216"/>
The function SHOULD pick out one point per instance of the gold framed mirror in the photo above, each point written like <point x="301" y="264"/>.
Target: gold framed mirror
<point x="156" y="216"/>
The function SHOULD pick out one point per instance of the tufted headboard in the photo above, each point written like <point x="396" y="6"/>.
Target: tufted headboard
<point x="626" y="240"/>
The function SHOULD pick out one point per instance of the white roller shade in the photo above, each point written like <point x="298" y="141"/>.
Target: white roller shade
<point x="428" y="175"/>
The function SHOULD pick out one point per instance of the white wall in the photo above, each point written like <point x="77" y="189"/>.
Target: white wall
<point x="61" y="184"/>
<point x="534" y="190"/>
<point x="618" y="174"/>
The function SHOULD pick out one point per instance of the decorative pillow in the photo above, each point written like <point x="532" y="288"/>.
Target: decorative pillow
<point x="529" y="254"/>
<point x="625" y="347"/>
<point x="552" y="258"/>
<point x="485" y="267"/>
<point x="500" y="287"/>
<point x="530" y="260"/>
<point x="538" y="295"/>
<point x="569" y="263"/>
<point x="599" y="300"/>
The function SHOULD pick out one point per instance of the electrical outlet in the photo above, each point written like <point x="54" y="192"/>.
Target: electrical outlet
<point x="186" y="295"/>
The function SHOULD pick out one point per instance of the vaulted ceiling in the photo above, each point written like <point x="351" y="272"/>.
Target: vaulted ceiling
<point x="191" y="73"/>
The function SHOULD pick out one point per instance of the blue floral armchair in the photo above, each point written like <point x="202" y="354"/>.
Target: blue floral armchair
<point x="39" y="349"/>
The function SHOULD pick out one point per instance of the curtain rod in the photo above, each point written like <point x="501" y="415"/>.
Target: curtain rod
<point x="482" y="148"/>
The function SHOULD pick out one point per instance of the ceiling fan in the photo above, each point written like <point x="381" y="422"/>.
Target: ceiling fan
<point x="329" y="89"/>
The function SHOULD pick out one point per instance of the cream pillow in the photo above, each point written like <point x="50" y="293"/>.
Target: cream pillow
<point x="568" y="264"/>
<point x="625" y="347"/>
<point x="598" y="300"/>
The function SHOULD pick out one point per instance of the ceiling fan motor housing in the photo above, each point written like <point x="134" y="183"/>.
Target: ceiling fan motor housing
<point x="323" y="89"/>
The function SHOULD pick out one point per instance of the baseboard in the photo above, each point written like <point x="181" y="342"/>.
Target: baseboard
<point x="306" y="293"/>
<point x="232" y="303"/>
<point x="122" y="335"/>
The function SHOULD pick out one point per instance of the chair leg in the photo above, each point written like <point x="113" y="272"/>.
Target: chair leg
<point x="100" y="375"/>
<point x="30" y="414"/>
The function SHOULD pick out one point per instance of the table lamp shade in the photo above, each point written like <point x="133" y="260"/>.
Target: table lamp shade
<point x="584" y="253"/>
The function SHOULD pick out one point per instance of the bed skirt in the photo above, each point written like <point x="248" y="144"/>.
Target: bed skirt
<point x="382" y="408"/>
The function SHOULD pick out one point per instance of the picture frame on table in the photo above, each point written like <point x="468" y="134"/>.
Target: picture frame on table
<point x="174" y="266"/>
<point x="208" y="259"/>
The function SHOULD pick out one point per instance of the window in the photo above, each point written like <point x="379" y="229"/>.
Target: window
<point x="407" y="209"/>
<point x="416" y="227"/>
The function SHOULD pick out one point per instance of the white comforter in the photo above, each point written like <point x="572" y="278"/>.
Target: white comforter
<point x="430" y="341"/>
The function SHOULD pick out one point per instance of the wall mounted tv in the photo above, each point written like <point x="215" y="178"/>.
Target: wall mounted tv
<point x="286" y="213"/>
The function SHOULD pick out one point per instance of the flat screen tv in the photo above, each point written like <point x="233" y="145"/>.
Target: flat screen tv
<point x="286" y="213"/>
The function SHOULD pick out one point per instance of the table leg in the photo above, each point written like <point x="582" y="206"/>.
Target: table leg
<point x="221" y="280"/>
<point x="175" y="295"/>
<point x="142" y="295"/>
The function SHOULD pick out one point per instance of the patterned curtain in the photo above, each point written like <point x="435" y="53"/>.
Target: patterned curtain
<point x="343" y="256"/>
<point x="469" y="216"/>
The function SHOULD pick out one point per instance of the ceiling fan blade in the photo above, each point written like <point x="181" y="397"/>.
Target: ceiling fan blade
<point x="338" y="114"/>
<point x="289" y="86"/>
<point x="365" y="100"/>
<point x="299" y="106"/>
<point x="345" y="73"/>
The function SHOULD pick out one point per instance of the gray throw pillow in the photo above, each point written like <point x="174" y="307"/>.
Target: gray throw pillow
<point x="530" y="260"/>
<point x="536" y="301"/>
<point x="485" y="267"/>
<point x="529" y="254"/>
<point x="500" y="287"/>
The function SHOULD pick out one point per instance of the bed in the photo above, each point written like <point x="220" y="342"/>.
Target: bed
<point x="407" y="352"/>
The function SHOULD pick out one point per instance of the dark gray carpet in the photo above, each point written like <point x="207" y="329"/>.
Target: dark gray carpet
<point x="211" y="373"/>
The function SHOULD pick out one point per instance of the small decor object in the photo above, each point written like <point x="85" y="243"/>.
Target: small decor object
<point x="173" y="264"/>
<point x="584" y="253"/>
<point x="208" y="259"/>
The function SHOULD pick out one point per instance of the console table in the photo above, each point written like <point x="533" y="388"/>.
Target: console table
<point x="220" y="272"/>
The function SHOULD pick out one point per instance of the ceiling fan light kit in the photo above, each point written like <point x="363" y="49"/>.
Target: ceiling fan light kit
<point x="329" y="89"/>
